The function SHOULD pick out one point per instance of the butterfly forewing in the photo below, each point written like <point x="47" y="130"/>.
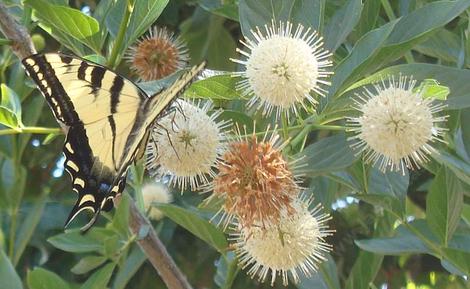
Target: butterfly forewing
<point x="108" y="118"/>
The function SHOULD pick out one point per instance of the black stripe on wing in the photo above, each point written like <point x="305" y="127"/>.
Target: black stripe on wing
<point x="41" y="71"/>
<point x="95" y="192"/>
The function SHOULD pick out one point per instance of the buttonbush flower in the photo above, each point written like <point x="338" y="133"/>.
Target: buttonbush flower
<point x="157" y="55"/>
<point x="255" y="180"/>
<point x="186" y="145"/>
<point x="296" y="243"/>
<point x="155" y="193"/>
<point x="396" y="126"/>
<point x="283" y="67"/>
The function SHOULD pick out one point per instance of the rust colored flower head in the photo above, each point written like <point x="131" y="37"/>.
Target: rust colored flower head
<point x="255" y="181"/>
<point x="157" y="55"/>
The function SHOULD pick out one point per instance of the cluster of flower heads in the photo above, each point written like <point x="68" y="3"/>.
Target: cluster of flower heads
<point x="272" y="228"/>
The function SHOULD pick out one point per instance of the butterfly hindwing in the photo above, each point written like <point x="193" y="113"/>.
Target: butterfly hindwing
<point x="108" y="119"/>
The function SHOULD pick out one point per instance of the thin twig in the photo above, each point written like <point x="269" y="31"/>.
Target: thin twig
<point x="150" y="244"/>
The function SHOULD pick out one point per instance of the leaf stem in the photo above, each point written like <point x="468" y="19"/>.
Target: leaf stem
<point x="31" y="129"/>
<point x="310" y="127"/>
<point x="113" y="58"/>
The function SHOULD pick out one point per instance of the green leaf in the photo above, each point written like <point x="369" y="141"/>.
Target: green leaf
<point x="12" y="182"/>
<point x="100" y="278"/>
<point x="453" y="78"/>
<point x="41" y="278"/>
<point x="356" y="62"/>
<point x="459" y="258"/>
<point x="121" y="216"/>
<point x="387" y="190"/>
<point x="131" y="265"/>
<point x="328" y="154"/>
<point x="219" y="7"/>
<point x="208" y="39"/>
<point x="403" y="243"/>
<point x="10" y="107"/>
<point x="444" y="205"/>
<point x="76" y="242"/>
<point x="69" y="21"/>
<point x="325" y="278"/>
<point x="364" y="270"/>
<point x="144" y="14"/>
<point x="341" y="24"/>
<point x="430" y="88"/>
<point x="458" y="166"/>
<point x="370" y="14"/>
<point x="220" y="87"/>
<point x="465" y="144"/>
<point x="8" y="275"/>
<point x="257" y="13"/>
<point x="27" y="227"/>
<point x="389" y="203"/>
<point x="227" y="270"/>
<point x="196" y="225"/>
<point x="392" y="40"/>
<point x="88" y="263"/>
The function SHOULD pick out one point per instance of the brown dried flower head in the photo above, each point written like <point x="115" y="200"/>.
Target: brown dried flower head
<point x="255" y="181"/>
<point x="157" y="55"/>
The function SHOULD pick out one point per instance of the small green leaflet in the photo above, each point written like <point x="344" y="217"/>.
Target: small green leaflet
<point x="432" y="88"/>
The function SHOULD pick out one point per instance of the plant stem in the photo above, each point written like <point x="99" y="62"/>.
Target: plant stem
<point x="310" y="127"/>
<point x="4" y="41"/>
<point x="285" y="126"/>
<point x="113" y="59"/>
<point x="156" y="251"/>
<point x="31" y="129"/>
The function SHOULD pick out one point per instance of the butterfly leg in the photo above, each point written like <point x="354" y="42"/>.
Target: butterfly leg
<point x="169" y="138"/>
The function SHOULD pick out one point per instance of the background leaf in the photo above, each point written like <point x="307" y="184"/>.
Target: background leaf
<point x="8" y="275"/>
<point x="196" y="225"/>
<point x="70" y="21"/>
<point x="444" y="205"/>
<point x="257" y="13"/>
<point x="43" y="279"/>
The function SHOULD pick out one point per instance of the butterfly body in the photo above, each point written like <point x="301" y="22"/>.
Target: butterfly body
<point x="108" y="119"/>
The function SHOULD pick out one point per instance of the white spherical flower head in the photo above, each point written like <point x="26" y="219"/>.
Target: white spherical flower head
<point x="283" y="67"/>
<point x="152" y="194"/>
<point x="186" y="145"/>
<point x="295" y="244"/>
<point x="396" y="126"/>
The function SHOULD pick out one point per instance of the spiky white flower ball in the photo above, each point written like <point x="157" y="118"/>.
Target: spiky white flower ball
<point x="283" y="67"/>
<point x="186" y="145"/>
<point x="397" y="125"/>
<point x="152" y="194"/>
<point x="295" y="244"/>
